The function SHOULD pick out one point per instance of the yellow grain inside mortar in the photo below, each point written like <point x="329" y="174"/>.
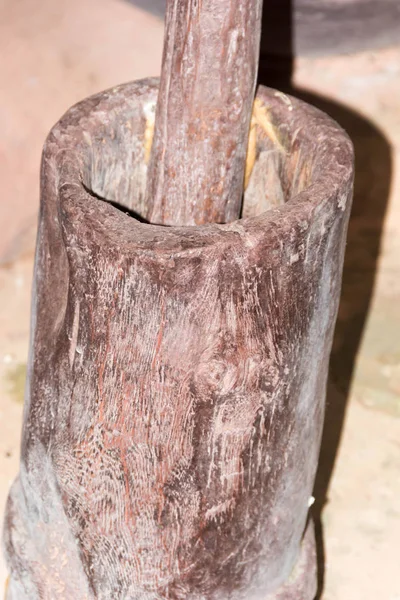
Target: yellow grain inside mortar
<point x="260" y="118"/>
<point x="148" y="135"/>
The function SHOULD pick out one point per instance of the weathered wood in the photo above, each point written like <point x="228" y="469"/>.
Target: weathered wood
<point x="203" y="112"/>
<point x="177" y="374"/>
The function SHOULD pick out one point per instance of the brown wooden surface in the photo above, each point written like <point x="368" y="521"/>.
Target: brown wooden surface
<point x="203" y="113"/>
<point x="177" y="374"/>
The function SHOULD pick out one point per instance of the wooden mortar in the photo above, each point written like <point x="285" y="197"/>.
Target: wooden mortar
<point x="177" y="375"/>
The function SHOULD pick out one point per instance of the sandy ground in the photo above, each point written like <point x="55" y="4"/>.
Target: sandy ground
<point x="53" y="54"/>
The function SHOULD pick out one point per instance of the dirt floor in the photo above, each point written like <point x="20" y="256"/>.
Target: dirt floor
<point x="53" y="54"/>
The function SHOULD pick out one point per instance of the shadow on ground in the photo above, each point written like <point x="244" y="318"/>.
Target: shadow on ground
<point x="156" y="7"/>
<point x="373" y="173"/>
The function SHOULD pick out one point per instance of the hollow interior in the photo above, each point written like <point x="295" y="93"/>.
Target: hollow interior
<point x="279" y="160"/>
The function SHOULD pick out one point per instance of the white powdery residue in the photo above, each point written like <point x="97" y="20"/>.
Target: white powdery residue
<point x="211" y="451"/>
<point x="232" y="50"/>
<point x="342" y="202"/>
<point x="219" y="509"/>
<point x="259" y="452"/>
<point x="285" y="99"/>
<point x="294" y="258"/>
<point x="149" y="110"/>
<point x="74" y="336"/>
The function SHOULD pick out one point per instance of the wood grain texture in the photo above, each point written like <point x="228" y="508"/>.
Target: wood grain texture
<point x="203" y="113"/>
<point x="177" y="375"/>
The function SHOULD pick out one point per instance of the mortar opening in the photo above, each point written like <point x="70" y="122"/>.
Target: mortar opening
<point x="116" y="169"/>
<point x="121" y="207"/>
